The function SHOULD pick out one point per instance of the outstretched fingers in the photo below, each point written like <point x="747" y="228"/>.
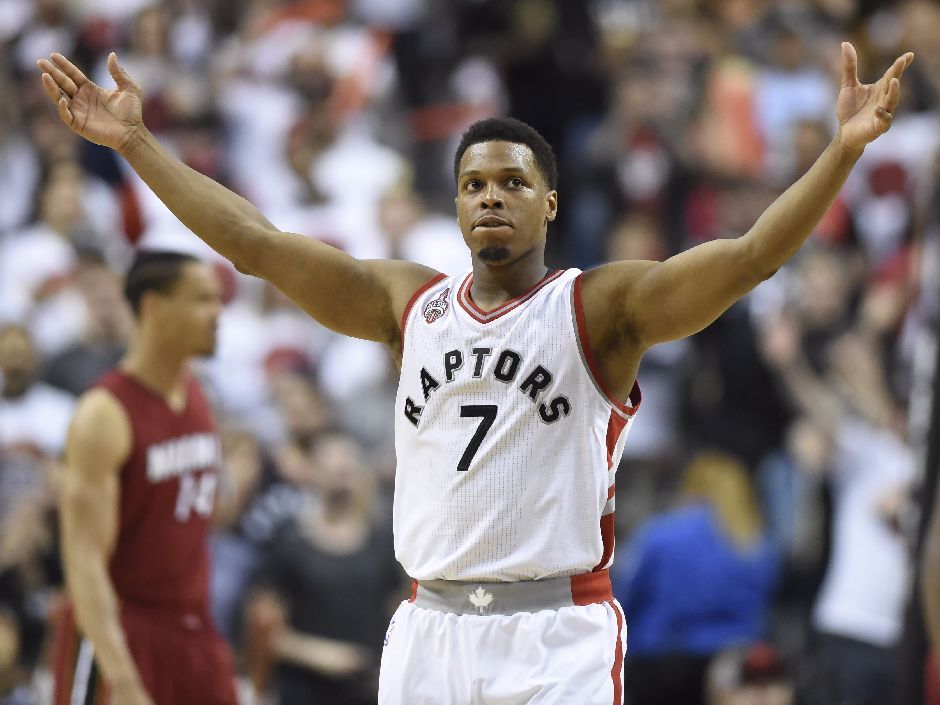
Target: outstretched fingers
<point x="123" y="81"/>
<point x="892" y="96"/>
<point x="69" y="69"/>
<point x="898" y="67"/>
<point x="52" y="88"/>
<point x="66" y="84"/>
<point x="62" y="106"/>
<point x="849" y="66"/>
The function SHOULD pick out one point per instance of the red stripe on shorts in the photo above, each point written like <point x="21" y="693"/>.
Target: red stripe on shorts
<point x="616" y="673"/>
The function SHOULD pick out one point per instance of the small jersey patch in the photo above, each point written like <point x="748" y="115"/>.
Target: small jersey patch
<point x="436" y="308"/>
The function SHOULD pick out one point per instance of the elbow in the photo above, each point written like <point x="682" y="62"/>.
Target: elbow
<point x="754" y="263"/>
<point x="253" y="245"/>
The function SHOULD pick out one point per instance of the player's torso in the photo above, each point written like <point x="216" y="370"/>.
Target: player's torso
<point x="167" y="496"/>
<point x="505" y="445"/>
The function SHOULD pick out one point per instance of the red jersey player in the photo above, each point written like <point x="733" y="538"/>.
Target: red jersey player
<point x="142" y="469"/>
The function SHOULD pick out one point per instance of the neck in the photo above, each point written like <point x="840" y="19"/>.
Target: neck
<point x="495" y="285"/>
<point x="156" y="363"/>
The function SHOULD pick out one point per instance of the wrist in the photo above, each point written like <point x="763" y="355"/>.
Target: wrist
<point x="135" y="136"/>
<point x="846" y="150"/>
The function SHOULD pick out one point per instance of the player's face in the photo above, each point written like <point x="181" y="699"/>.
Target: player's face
<point x="193" y="307"/>
<point x="503" y="202"/>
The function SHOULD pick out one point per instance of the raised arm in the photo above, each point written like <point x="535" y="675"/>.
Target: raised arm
<point x="630" y="306"/>
<point x="99" y="442"/>
<point x="363" y="299"/>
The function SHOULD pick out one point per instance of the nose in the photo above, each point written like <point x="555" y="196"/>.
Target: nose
<point x="491" y="198"/>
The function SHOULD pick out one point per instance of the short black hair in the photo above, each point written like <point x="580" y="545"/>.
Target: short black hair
<point x="510" y="130"/>
<point x="153" y="270"/>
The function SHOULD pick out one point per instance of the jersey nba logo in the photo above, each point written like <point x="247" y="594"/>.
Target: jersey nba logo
<point x="436" y="308"/>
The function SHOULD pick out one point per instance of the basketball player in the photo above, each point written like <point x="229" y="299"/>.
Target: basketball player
<point x="517" y="385"/>
<point x="142" y="464"/>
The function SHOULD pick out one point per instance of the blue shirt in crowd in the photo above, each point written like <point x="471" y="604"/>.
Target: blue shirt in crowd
<point x="685" y="587"/>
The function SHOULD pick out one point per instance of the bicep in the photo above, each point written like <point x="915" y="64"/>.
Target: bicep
<point x="687" y="292"/>
<point x="358" y="298"/>
<point x="98" y="443"/>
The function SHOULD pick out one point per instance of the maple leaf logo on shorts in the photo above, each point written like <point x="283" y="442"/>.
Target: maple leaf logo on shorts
<point x="480" y="598"/>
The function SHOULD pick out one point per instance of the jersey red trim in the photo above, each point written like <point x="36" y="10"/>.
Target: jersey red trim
<point x="478" y="314"/>
<point x="414" y="298"/>
<point x="635" y="397"/>
<point x="607" y="540"/>
<point x="615" y="427"/>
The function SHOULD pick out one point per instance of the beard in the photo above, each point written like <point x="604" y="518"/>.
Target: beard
<point x="495" y="253"/>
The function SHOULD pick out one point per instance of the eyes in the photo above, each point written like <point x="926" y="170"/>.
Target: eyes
<point x="513" y="182"/>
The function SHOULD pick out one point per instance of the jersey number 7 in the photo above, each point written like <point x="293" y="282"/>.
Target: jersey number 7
<point x="487" y="415"/>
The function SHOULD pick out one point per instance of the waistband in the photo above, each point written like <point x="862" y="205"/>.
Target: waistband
<point x="468" y="598"/>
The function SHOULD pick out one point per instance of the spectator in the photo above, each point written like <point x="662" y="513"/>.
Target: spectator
<point x="330" y="578"/>
<point x="858" y="612"/>
<point x="34" y="417"/>
<point x="104" y="340"/>
<point x="697" y="580"/>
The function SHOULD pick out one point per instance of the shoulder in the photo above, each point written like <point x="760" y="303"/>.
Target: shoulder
<point x="611" y="282"/>
<point x="100" y="430"/>
<point x="601" y="283"/>
<point x="401" y="279"/>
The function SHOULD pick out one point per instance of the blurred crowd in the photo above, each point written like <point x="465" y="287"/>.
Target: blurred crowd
<point x="764" y="500"/>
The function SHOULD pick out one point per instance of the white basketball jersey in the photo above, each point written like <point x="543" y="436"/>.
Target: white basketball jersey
<point x="507" y="441"/>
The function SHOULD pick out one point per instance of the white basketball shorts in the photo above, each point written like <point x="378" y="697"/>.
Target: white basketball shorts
<point x="548" y="642"/>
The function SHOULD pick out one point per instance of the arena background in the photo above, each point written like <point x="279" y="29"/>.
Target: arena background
<point x="674" y="122"/>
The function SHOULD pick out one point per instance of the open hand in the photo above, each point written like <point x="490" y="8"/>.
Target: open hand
<point x="864" y="110"/>
<point x="107" y="117"/>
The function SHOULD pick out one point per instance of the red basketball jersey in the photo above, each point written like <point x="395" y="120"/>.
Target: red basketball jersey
<point x="167" y="497"/>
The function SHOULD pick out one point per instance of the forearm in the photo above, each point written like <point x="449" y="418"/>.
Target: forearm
<point x="313" y="652"/>
<point x="228" y="223"/>
<point x="810" y="395"/>
<point x="785" y="225"/>
<point x="97" y="614"/>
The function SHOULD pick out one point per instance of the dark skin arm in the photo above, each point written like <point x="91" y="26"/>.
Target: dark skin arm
<point x="98" y="444"/>
<point x="360" y="298"/>
<point x="633" y="305"/>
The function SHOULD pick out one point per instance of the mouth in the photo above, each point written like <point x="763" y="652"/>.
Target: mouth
<point x="492" y="221"/>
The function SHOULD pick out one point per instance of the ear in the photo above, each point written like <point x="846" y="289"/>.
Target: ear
<point x="552" y="201"/>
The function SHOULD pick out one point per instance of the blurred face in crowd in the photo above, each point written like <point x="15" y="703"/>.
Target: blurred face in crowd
<point x="150" y="32"/>
<point x="503" y="202"/>
<point x="304" y="410"/>
<point x="636" y="237"/>
<point x="61" y="203"/>
<point x="189" y="311"/>
<point x="340" y="472"/>
<point x="17" y="361"/>
<point x="825" y="289"/>
<point x="109" y="317"/>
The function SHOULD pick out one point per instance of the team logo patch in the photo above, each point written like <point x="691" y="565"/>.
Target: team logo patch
<point x="436" y="308"/>
<point x="480" y="598"/>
